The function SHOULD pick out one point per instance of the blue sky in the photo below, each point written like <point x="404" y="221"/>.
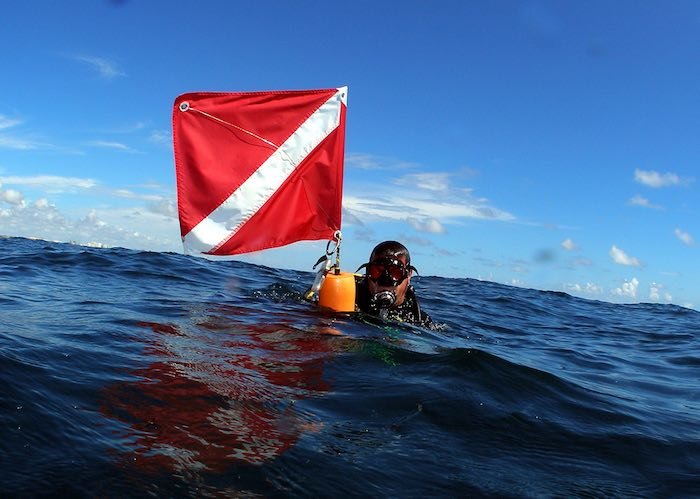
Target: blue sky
<point x="545" y="144"/>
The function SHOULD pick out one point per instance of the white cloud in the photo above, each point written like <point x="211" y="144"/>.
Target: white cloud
<point x="588" y="289"/>
<point x="638" y="200"/>
<point x="419" y="241"/>
<point x="453" y="210"/>
<point x="15" y="140"/>
<point x="6" y="122"/>
<point x="398" y="208"/>
<point x="430" y="225"/>
<point x="363" y="161"/>
<point x="105" y="68"/>
<point x="628" y="288"/>
<point x="568" y="244"/>
<point x="132" y="227"/>
<point x="657" y="293"/>
<point x="111" y="145"/>
<point x="520" y="269"/>
<point x="373" y="208"/>
<point x="19" y="143"/>
<point x="42" y="204"/>
<point x="620" y="257"/>
<point x="153" y="227"/>
<point x="686" y="238"/>
<point x="134" y="127"/>
<point x="655" y="179"/>
<point x="438" y="182"/>
<point x="439" y="202"/>
<point x="166" y="207"/>
<point x="128" y="194"/>
<point x="161" y="137"/>
<point x="12" y="197"/>
<point x="427" y="201"/>
<point x="91" y="220"/>
<point x="350" y="218"/>
<point x="51" y="183"/>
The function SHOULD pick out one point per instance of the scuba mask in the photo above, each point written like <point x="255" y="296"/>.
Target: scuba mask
<point x="388" y="272"/>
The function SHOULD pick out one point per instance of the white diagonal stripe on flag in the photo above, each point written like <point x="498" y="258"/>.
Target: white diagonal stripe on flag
<point x="222" y="223"/>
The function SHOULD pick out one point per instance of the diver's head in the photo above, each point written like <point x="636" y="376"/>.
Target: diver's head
<point x="389" y="272"/>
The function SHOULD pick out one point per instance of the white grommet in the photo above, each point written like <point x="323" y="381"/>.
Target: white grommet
<point x="184" y="106"/>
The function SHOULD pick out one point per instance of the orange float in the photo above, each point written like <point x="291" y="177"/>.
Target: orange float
<point x="337" y="292"/>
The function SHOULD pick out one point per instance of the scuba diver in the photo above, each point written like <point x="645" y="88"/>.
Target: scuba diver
<point x="385" y="289"/>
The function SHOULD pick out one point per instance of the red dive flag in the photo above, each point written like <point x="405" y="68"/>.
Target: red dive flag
<point x="258" y="170"/>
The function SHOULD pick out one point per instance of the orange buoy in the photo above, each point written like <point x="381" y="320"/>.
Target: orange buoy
<point x="338" y="292"/>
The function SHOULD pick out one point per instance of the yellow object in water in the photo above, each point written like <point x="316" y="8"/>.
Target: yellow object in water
<point x="338" y="292"/>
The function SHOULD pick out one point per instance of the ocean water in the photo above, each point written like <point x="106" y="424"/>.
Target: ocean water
<point x="126" y="373"/>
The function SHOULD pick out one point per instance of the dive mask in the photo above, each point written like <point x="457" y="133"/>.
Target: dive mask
<point x="387" y="271"/>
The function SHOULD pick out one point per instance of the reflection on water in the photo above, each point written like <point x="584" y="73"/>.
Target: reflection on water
<point x="220" y="391"/>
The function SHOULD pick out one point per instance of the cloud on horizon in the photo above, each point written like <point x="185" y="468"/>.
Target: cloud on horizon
<point x="657" y="293"/>
<point x="587" y="289"/>
<point x="628" y="289"/>
<point x="151" y="226"/>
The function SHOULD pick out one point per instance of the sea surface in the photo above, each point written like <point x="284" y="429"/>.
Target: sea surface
<point x="137" y="374"/>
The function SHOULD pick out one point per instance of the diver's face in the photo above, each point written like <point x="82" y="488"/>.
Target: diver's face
<point x="389" y="274"/>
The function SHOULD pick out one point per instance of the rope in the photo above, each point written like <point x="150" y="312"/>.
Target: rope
<point x="224" y="122"/>
<point x="338" y="236"/>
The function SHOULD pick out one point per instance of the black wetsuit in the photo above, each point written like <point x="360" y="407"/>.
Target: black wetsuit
<point x="409" y="311"/>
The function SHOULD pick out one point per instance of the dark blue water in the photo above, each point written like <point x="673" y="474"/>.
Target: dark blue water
<point x="127" y="373"/>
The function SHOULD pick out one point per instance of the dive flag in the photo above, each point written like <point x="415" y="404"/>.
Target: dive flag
<point x="258" y="170"/>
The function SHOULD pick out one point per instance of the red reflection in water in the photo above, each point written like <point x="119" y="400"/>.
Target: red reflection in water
<point x="219" y="394"/>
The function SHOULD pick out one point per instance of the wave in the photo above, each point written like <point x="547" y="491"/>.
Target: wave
<point x="164" y="374"/>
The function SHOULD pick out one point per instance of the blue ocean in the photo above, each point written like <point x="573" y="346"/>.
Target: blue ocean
<point x="137" y="374"/>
